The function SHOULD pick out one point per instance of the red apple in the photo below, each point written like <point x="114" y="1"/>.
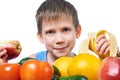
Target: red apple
<point x="110" y="69"/>
<point x="13" y="48"/>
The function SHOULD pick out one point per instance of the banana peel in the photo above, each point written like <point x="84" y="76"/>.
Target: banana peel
<point x="90" y="44"/>
<point x="93" y="44"/>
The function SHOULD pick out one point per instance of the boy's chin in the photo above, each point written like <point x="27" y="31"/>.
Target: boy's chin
<point x="61" y="55"/>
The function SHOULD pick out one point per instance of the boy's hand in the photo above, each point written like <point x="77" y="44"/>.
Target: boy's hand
<point x="103" y="44"/>
<point x="3" y="55"/>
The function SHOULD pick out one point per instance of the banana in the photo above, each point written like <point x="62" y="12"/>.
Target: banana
<point x="90" y="43"/>
<point x="93" y="43"/>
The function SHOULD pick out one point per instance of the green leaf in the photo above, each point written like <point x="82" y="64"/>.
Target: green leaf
<point x="24" y="59"/>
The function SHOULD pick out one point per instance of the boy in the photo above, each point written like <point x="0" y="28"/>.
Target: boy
<point x="58" y="28"/>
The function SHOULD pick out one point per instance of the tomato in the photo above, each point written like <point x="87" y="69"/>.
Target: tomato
<point x="10" y="71"/>
<point x="36" y="70"/>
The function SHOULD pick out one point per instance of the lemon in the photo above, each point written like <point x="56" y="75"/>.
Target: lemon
<point x="62" y="64"/>
<point x="85" y="64"/>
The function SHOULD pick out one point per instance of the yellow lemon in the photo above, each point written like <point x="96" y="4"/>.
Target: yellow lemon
<point x="85" y="64"/>
<point x="62" y="64"/>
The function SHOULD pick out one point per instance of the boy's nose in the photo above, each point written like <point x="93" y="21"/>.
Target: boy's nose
<point x="59" y="39"/>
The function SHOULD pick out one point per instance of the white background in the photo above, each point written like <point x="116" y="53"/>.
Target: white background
<point x="17" y="21"/>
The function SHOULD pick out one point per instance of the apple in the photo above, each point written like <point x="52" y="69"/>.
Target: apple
<point x="13" y="48"/>
<point x="109" y="69"/>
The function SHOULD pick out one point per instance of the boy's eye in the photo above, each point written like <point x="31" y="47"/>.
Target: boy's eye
<point x="49" y="32"/>
<point x="66" y="29"/>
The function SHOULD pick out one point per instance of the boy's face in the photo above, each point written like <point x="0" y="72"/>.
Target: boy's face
<point x="59" y="36"/>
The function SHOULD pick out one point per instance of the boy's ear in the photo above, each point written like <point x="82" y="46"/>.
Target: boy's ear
<point x="78" y="31"/>
<point x="39" y="35"/>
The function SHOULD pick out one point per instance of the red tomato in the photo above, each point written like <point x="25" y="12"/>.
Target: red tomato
<point x="10" y="71"/>
<point x="36" y="70"/>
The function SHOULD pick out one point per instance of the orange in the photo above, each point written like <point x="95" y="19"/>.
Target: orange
<point x="62" y="64"/>
<point x="85" y="64"/>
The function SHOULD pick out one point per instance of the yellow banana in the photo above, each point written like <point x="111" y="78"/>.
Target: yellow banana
<point x="93" y="43"/>
<point x="90" y="43"/>
<point x="113" y="44"/>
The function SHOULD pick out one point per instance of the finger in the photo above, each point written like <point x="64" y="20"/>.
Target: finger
<point x="2" y="53"/>
<point x="1" y="48"/>
<point x="100" y="43"/>
<point x="104" y="47"/>
<point x="102" y="36"/>
<point x="107" y="50"/>
<point x="5" y="58"/>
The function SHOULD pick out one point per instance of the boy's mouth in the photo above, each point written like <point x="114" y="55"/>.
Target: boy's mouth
<point x="61" y="48"/>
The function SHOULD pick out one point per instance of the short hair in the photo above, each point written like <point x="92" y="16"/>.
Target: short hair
<point x="53" y="10"/>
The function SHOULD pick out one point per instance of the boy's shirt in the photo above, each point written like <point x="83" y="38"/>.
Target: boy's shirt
<point x="41" y="56"/>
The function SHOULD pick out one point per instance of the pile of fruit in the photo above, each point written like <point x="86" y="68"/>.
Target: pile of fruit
<point x="84" y="66"/>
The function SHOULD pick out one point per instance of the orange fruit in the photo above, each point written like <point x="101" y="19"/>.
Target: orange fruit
<point x="85" y="64"/>
<point x="62" y="64"/>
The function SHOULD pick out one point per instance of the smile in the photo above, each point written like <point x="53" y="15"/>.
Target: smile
<point x="62" y="48"/>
